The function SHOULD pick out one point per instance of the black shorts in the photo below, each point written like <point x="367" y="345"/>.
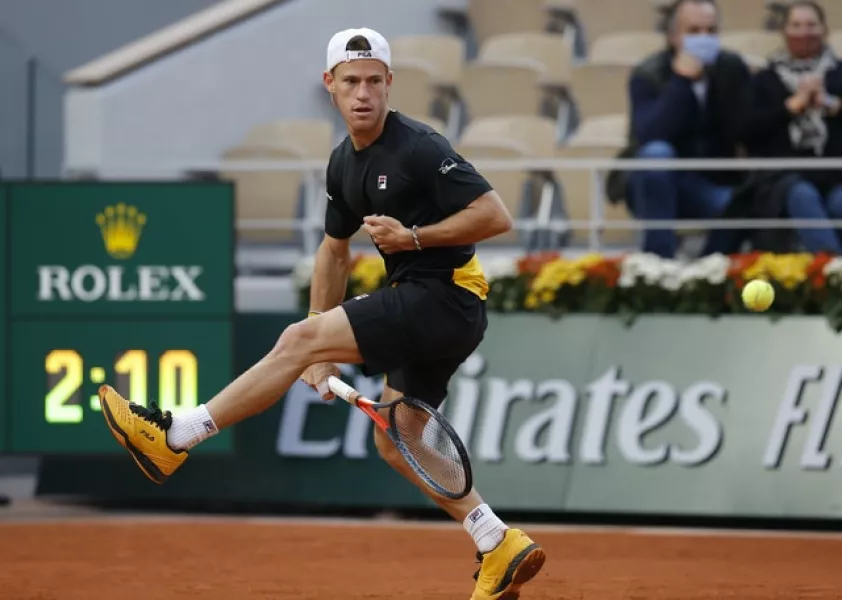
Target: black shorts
<point x="417" y="333"/>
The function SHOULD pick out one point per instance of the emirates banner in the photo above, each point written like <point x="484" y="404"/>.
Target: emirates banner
<point x="683" y="415"/>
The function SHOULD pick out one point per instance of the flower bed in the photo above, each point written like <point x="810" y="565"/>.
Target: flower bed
<point x="634" y="284"/>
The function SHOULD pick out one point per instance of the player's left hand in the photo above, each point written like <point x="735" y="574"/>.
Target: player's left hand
<point x="388" y="234"/>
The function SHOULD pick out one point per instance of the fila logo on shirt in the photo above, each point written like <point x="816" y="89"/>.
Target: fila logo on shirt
<point x="381" y="182"/>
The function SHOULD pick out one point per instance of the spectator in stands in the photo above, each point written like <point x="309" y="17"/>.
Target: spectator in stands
<point x="795" y="111"/>
<point x="683" y="102"/>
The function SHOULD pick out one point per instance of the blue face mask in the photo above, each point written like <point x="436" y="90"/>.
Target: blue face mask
<point x="703" y="46"/>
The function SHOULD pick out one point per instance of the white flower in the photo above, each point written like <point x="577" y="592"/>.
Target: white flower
<point x="670" y="275"/>
<point x="303" y="272"/>
<point x="691" y="273"/>
<point x="653" y="270"/>
<point x="638" y="265"/>
<point x="713" y="269"/>
<point x="626" y="280"/>
<point x="500" y="266"/>
<point x="834" y="267"/>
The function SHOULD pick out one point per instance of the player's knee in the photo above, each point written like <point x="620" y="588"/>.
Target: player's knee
<point x="296" y="341"/>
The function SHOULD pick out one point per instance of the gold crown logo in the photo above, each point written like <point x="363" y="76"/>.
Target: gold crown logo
<point x="121" y="228"/>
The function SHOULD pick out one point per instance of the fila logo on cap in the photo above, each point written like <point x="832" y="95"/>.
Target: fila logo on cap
<point x="338" y="51"/>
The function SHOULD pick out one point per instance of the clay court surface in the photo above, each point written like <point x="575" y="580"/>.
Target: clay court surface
<point x="164" y="558"/>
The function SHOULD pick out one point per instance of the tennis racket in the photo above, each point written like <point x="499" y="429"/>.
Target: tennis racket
<point x="423" y="436"/>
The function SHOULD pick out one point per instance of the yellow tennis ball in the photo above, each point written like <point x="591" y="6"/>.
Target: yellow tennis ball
<point x="758" y="295"/>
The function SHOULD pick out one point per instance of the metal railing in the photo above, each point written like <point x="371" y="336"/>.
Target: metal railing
<point x="313" y="175"/>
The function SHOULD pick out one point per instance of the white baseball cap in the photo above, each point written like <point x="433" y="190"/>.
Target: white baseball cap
<point x="338" y="53"/>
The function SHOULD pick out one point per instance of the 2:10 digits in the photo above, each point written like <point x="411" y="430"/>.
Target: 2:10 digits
<point x="177" y="376"/>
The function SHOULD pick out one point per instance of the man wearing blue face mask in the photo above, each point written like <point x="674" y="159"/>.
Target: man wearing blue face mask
<point x="683" y="102"/>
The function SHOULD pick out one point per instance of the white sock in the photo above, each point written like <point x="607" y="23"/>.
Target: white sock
<point x="485" y="527"/>
<point x="191" y="427"/>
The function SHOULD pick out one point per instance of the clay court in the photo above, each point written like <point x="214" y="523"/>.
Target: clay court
<point x="164" y="558"/>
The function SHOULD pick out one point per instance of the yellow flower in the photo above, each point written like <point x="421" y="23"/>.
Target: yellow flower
<point x="560" y="272"/>
<point x="789" y="270"/>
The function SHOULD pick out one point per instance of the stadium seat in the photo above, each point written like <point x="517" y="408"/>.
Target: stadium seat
<point x="442" y="55"/>
<point x="597" y="137"/>
<point x="412" y="88"/>
<point x="262" y="195"/>
<point x="548" y="53"/>
<point x="754" y="46"/>
<point x="532" y="136"/>
<point x="493" y="17"/>
<point x="606" y="130"/>
<point x="312" y="138"/>
<point x="740" y="15"/>
<point x="577" y="186"/>
<point x="490" y="89"/>
<point x="601" y="17"/>
<point x="629" y="47"/>
<point x="600" y="89"/>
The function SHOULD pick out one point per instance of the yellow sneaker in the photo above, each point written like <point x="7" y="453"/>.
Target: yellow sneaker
<point x="143" y="432"/>
<point x="506" y="568"/>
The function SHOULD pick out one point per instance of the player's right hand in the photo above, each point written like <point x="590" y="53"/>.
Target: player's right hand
<point x="316" y="377"/>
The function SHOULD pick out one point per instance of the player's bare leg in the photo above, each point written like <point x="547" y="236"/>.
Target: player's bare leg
<point x="158" y="442"/>
<point x="509" y="557"/>
<point x="327" y="338"/>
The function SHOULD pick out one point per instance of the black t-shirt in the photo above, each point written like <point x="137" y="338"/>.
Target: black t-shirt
<point x="411" y="173"/>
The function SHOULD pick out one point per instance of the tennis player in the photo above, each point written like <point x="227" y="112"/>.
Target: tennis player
<point x="424" y="207"/>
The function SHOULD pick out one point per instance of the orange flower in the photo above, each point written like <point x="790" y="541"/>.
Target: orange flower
<point x="531" y="264"/>
<point x="607" y="271"/>
<point x="739" y="264"/>
<point x="815" y="272"/>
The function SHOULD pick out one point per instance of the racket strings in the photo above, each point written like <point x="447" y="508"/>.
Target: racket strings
<point x="431" y="446"/>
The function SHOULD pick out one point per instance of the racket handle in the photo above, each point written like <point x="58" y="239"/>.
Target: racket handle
<point x="342" y="389"/>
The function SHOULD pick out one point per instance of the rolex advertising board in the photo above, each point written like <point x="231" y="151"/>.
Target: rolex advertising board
<point x="680" y="415"/>
<point x="116" y="248"/>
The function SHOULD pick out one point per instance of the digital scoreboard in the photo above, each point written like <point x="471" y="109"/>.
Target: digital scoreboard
<point x="125" y="284"/>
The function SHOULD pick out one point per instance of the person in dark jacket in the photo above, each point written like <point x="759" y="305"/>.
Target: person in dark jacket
<point x="683" y="103"/>
<point x="795" y="111"/>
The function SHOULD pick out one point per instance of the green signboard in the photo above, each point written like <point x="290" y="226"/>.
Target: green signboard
<point x="4" y="338"/>
<point x="108" y="249"/>
<point x="127" y="284"/>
